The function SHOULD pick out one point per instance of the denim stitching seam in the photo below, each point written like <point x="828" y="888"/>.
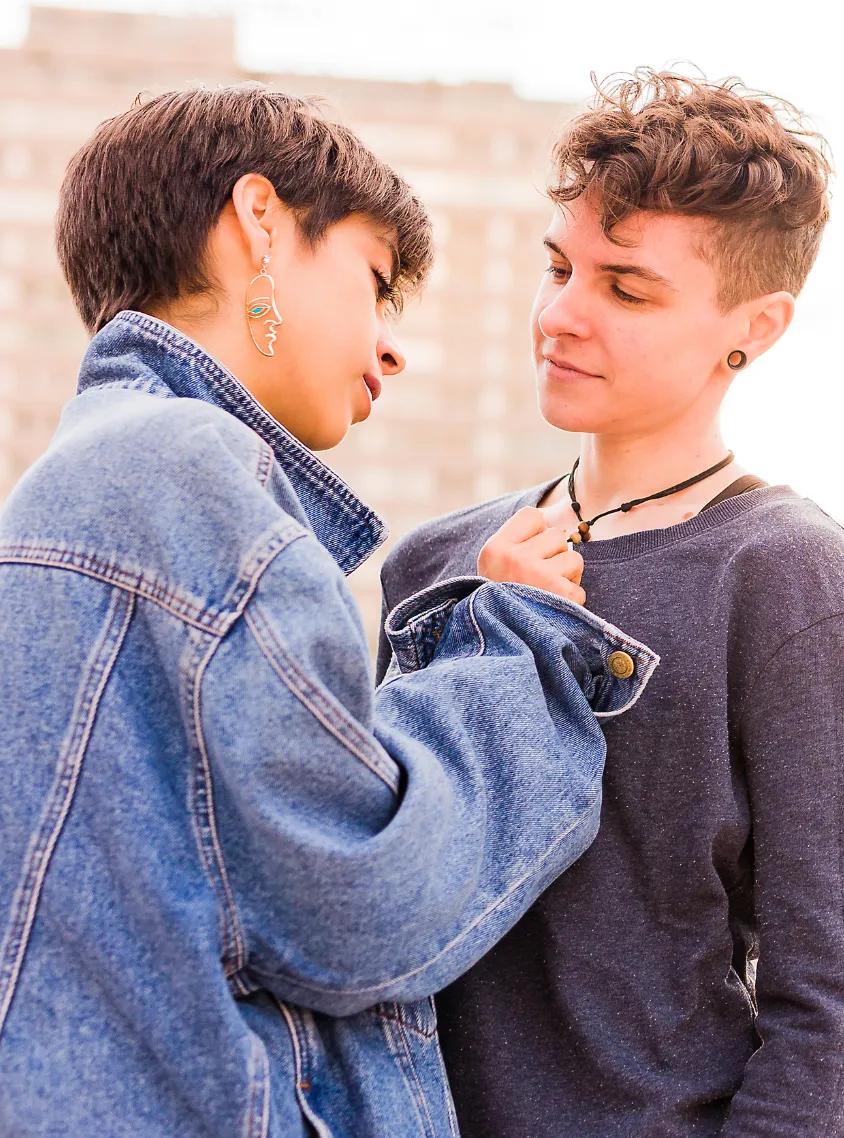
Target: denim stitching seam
<point x="478" y="630"/>
<point x="257" y="563"/>
<point x="61" y="797"/>
<point x="379" y="1013"/>
<point x="608" y="631"/>
<point x="215" y="621"/>
<point x="205" y="823"/>
<point x="134" y="583"/>
<point x="394" y="1031"/>
<point x="259" y="1086"/>
<point x="325" y="709"/>
<point x="265" y="465"/>
<point x="502" y="900"/>
<point x="299" y="1071"/>
<point x="449" y="1100"/>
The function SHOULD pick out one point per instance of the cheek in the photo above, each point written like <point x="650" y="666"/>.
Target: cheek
<point x="333" y="333"/>
<point x="659" y="344"/>
<point x="661" y="365"/>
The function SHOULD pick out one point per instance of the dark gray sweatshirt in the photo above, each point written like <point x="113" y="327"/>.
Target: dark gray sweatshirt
<point x="624" y="1002"/>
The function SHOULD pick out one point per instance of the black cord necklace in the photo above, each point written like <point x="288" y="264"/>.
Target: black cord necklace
<point x="583" y="531"/>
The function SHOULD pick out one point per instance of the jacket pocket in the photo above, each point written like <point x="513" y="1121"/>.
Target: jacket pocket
<point x="419" y="1016"/>
<point x="410" y="1031"/>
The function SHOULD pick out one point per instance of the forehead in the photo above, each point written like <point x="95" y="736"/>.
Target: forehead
<point x="367" y="236"/>
<point x="668" y="243"/>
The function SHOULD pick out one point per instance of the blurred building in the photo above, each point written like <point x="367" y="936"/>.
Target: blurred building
<point x="460" y="424"/>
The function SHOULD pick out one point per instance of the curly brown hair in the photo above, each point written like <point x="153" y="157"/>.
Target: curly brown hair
<point x="141" y="196"/>
<point x="747" y="162"/>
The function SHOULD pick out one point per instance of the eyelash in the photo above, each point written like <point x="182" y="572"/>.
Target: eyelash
<point x="557" y="273"/>
<point x="386" y="292"/>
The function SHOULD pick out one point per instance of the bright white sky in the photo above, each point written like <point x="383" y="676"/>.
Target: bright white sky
<point x="786" y="414"/>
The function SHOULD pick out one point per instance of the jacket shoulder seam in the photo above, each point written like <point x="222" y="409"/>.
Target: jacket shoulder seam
<point x="135" y="582"/>
<point x="215" y="619"/>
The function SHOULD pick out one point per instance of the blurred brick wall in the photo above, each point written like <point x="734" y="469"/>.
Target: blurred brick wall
<point x="460" y="424"/>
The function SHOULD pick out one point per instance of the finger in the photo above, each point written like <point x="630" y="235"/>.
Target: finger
<point x="578" y="595"/>
<point x="547" y="544"/>
<point x="523" y="525"/>
<point x="568" y="565"/>
<point x="561" y="587"/>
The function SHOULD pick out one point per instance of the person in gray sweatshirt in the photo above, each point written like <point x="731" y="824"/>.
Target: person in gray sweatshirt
<point x="686" y="976"/>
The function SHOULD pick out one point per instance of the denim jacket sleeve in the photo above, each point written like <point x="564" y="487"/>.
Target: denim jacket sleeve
<point x="376" y="845"/>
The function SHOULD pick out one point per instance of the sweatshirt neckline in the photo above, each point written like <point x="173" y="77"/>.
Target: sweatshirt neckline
<point x="649" y="540"/>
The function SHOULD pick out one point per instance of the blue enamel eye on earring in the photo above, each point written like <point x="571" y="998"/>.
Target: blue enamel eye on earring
<point x="260" y="300"/>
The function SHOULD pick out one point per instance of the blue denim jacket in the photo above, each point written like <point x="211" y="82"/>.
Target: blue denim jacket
<point x="231" y="874"/>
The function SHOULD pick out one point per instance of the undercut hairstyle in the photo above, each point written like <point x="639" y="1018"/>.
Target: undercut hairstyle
<point x="140" y="198"/>
<point x="747" y="163"/>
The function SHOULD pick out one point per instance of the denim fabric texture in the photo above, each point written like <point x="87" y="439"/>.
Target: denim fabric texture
<point x="232" y="874"/>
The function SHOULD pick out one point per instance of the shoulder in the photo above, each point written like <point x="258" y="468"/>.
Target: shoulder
<point x="130" y="474"/>
<point x="782" y="525"/>
<point x="448" y="546"/>
<point x="130" y="428"/>
<point x="786" y="565"/>
<point x="117" y="448"/>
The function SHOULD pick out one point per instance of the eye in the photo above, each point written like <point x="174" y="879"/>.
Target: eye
<point x="258" y="308"/>
<point x="385" y="291"/>
<point x="559" y="274"/>
<point x="626" y="297"/>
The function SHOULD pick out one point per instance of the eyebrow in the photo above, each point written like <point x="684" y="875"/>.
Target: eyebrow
<point x="641" y="271"/>
<point x="395" y="261"/>
<point x="390" y="244"/>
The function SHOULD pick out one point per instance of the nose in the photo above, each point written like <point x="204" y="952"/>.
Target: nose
<point x="562" y="314"/>
<point x="390" y="356"/>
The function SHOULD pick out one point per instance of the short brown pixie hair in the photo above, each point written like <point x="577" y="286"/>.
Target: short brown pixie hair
<point x="140" y="198"/>
<point x="746" y="162"/>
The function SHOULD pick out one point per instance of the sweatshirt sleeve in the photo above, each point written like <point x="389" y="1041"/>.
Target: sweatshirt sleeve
<point x="791" y="739"/>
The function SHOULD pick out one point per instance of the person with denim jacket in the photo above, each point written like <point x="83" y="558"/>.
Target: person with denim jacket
<point x="686" y="977"/>
<point x="231" y="874"/>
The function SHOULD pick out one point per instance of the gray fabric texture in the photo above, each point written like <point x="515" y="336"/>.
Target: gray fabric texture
<point x="624" y="1002"/>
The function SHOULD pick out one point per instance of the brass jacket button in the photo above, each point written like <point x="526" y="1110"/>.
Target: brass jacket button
<point x="621" y="665"/>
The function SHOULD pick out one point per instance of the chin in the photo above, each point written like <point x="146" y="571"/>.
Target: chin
<point x="325" y="436"/>
<point x="327" y="440"/>
<point x="566" y="415"/>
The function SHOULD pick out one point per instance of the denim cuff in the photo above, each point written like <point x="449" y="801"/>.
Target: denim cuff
<point x="621" y="666"/>
<point x="613" y="669"/>
<point x="415" y="626"/>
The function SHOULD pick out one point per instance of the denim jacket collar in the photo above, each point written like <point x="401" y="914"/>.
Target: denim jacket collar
<point x="136" y="350"/>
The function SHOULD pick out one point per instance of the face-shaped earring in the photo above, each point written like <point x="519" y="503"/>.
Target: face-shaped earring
<point x="261" y="313"/>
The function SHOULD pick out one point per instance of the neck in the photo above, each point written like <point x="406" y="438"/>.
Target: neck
<point x="614" y="469"/>
<point x="215" y="329"/>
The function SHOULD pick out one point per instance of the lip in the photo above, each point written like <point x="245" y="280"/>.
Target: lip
<point x="373" y="384"/>
<point x="560" y="368"/>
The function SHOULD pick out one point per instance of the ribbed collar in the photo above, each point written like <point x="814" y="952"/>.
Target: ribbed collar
<point x="134" y="350"/>
<point x="650" y="540"/>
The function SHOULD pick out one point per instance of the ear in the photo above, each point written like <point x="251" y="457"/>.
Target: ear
<point x="253" y="198"/>
<point x="768" y="317"/>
